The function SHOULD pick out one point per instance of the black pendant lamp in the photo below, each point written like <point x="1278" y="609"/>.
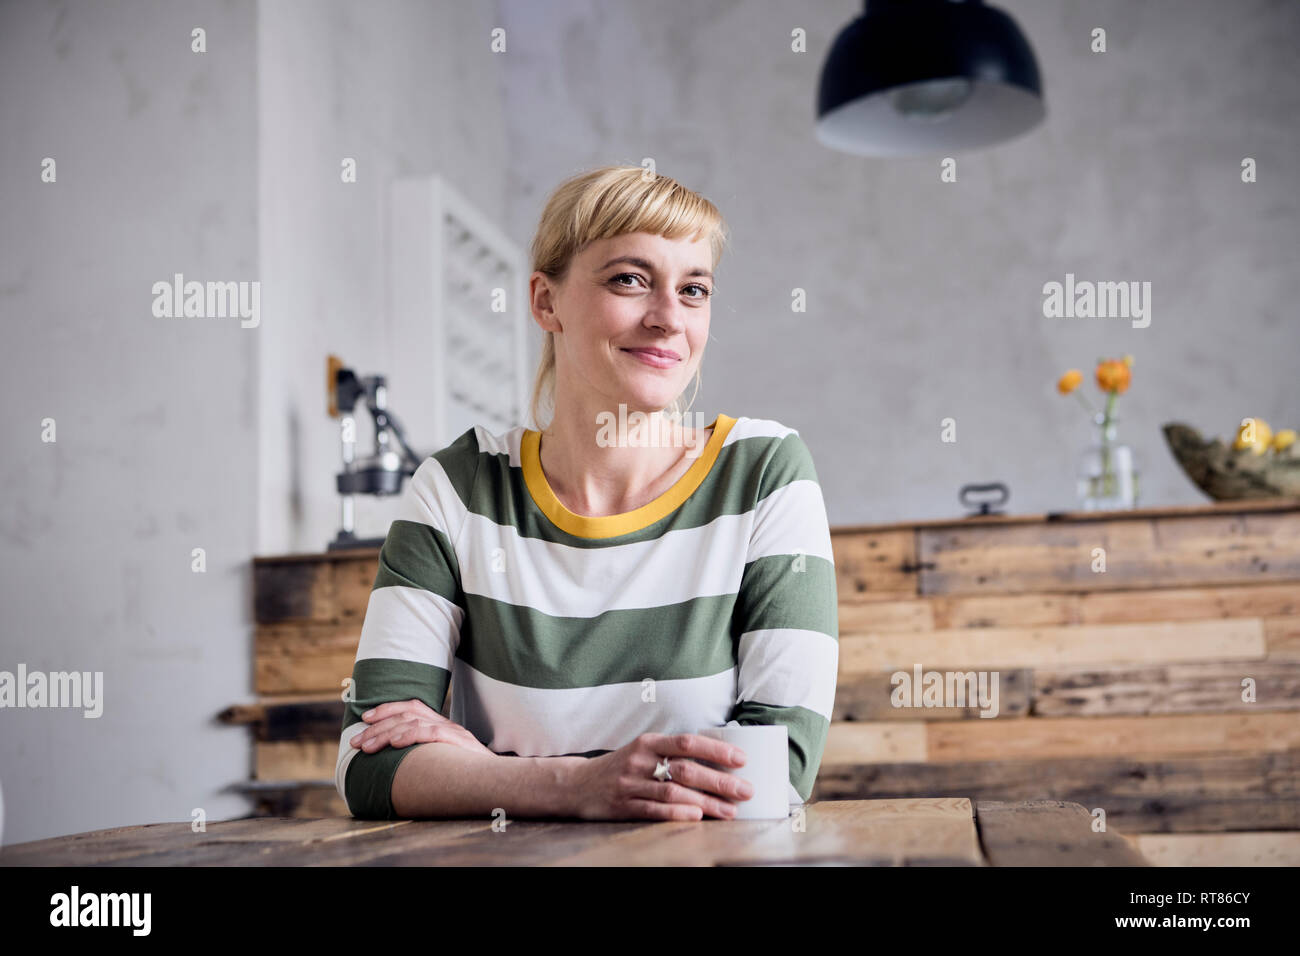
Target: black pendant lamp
<point x="911" y="77"/>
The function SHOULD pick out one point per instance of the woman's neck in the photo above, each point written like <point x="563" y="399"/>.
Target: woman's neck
<point x="598" y="471"/>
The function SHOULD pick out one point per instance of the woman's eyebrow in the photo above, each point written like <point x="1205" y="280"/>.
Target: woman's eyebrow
<point x="648" y="267"/>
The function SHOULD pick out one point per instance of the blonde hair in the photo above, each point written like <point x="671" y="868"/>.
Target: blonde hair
<point x="611" y="201"/>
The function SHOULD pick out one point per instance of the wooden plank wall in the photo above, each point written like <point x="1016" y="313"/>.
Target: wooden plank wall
<point x="1120" y="684"/>
<point x="1122" y="644"/>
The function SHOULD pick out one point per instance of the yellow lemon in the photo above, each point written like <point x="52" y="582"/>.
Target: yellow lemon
<point x="1263" y="436"/>
<point x="1284" y="439"/>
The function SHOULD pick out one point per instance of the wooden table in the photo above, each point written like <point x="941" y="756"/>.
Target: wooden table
<point x="939" y="831"/>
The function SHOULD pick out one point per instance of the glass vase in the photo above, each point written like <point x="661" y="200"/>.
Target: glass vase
<point x="1108" y="475"/>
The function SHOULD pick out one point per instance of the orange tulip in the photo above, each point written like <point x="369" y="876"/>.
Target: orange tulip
<point x="1069" y="381"/>
<point x="1113" y="375"/>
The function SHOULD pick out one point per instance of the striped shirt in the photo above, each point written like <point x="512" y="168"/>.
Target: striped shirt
<point x="713" y="605"/>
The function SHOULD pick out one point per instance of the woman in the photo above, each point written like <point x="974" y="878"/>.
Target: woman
<point x="605" y="587"/>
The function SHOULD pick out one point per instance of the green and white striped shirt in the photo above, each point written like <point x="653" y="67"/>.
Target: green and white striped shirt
<point x="713" y="605"/>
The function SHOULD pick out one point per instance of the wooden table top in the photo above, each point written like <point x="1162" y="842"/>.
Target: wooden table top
<point x="944" y="831"/>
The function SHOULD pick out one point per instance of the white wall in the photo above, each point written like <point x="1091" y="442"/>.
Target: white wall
<point x="406" y="89"/>
<point x="175" y="434"/>
<point x="925" y="299"/>
<point x="155" y="417"/>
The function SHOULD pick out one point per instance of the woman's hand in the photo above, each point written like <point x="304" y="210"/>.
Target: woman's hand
<point x="620" y="785"/>
<point x="401" y="723"/>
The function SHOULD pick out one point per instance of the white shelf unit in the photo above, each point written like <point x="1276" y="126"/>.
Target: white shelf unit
<point x="451" y="265"/>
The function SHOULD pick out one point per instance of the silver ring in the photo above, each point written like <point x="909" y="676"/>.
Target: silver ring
<point x="661" y="770"/>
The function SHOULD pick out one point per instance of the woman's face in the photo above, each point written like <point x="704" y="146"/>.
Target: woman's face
<point x="635" y="291"/>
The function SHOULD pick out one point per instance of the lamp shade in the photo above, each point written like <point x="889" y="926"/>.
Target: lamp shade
<point x="910" y="77"/>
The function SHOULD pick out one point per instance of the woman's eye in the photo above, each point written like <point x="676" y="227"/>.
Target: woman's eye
<point x="701" y="291"/>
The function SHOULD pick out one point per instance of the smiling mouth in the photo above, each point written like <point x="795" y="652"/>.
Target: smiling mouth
<point x="652" y="359"/>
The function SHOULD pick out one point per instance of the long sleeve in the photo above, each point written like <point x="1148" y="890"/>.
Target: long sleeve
<point x="786" y="617"/>
<point x="413" y="621"/>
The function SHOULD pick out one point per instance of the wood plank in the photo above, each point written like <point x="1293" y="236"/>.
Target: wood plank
<point x="420" y="843"/>
<point x="928" y="830"/>
<point x="283" y="592"/>
<point x="915" y="614"/>
<point x="875" y="742"/>
<point x="112" y="845"/>
<point x="255" y="830"/>
<point x="1267" y="848"/>
<point x="1184" y="688"/>
<point x="1282" y="635"/>
<point x="869" y="697"/>
<point x="298" y="557"/>
<point x="923" y="831"/>
<point x="293" y="798"/>
<point x="312" y="590"/>
<point x="992" y="647"/>
<point x="311" y="718"/>
<point x="125" y="846"/>
<point x="1044" y="737"/>
<point x="1251" y="506"/>
<point x="1006" y="610"/>
<point x="323" y="850"/>
<point x="295" y="759"/>
<point x="1108" y="607"/>
<point x="1204" y="792"/>
<point x="250" y="712"/>
<point x="1191" y="603"/>
<point x="875" y="567"/>
<point x="1158" y="552"/>
<point x="1114" y="736"/>
<point x="1048" y="833"/>
<point x="1279" y="601"/>
<point x="304" y="658"/>
<point x="1127" y="736"/>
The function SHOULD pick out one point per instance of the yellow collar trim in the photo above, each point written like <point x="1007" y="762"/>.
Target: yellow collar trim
<point x="609" y="526"/>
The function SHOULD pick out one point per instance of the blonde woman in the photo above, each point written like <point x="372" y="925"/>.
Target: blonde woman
<point x="601" y="588"/>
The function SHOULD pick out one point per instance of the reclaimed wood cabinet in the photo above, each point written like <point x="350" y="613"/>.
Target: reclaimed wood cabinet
<point x="1147" y="667"/>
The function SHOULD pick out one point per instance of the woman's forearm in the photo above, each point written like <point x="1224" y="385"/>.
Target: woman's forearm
<point x="443" y="780"/>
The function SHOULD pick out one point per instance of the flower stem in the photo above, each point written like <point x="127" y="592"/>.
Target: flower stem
<point x="1107" y="475"/>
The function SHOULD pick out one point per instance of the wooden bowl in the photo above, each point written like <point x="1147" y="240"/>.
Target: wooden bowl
<point x="1228" y="475"/>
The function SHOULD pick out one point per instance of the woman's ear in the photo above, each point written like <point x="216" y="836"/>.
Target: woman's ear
<point x="541" y="295"/>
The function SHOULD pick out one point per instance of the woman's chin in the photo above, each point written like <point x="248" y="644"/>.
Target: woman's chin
<point x="644" y="407"/>
<point x="648" y="400"/>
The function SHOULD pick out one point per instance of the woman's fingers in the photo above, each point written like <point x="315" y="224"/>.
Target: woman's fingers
<point x="403" y="731"/>
<point x="375" y="737"/>
<point x="379" y="730"/>
<point x="686" y="770"/>
<point x="665" y="811"/>
<point x="398" y="731"/>
<point x="386" y="714"/>
<point x="620" y="785"/>
<point x="415" y="707"/>
<point x="697" y="746"/>
<point x="681" y="790"/>
<point x="715" y="782"/>
<point x="698" y="788"/>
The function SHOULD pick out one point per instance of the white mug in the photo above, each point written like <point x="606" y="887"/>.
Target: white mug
<point x="767" y="767"/>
